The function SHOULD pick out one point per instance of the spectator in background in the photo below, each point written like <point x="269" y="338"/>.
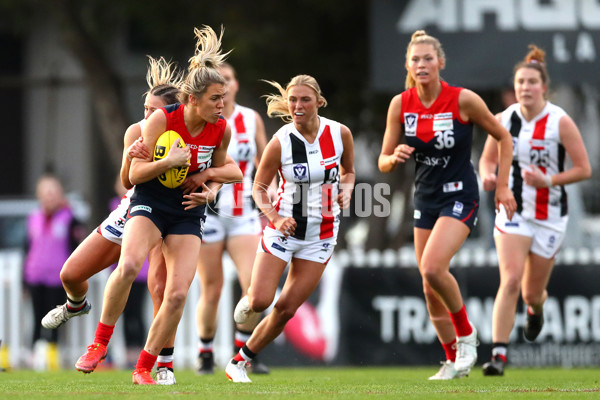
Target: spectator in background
<point x="527" y="245"/>
<point x="436" y="122"/>
<point x="53" y="233"/>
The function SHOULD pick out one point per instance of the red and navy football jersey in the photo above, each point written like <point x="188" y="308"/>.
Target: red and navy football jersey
<point x="442" y="142"/>
<point x="201" y="146"/>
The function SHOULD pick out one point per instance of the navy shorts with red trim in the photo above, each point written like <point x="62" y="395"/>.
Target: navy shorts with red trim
<point x="464" y="210"/>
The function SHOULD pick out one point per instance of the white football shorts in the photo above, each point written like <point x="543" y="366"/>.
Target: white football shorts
<point x="112" y="227"/>
<point x="273" y="242"/>
<point x="547" y="237"/>
<point x="217" y="228"/>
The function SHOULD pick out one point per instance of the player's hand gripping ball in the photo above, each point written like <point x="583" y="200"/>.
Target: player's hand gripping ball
<point x="176" y="175"/>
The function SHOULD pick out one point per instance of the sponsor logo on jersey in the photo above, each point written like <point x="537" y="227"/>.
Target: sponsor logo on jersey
<point x="417" y="214"/>
<point x="114" y="231"/>
<point x="279" y="247"/>
<point x="458" y="208"/>
<point x="453" y="186"/>
<point x="313" y="152"/>
<point x="331" y="160"/>
<point x="509" y="224"/>
<point x="538" y="144"/>
<point x="443" y="122"/>
<point x="432" y="161"/>
<point x="300" y="172"/>
<point x="410" y="124"/>
<point x="141" y="208"/>
<point x="203" y="156"/>
<point x="200" y="147"/>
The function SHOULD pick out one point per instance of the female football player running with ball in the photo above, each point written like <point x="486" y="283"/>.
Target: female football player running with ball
<point x="102" y="247"/>
<point x="159" y="212"/>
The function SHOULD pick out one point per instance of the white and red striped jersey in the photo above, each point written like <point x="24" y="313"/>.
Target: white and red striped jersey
<point x="309" y="180"/>
<point x="537" y="142"/>
<point x="235" y="200"/>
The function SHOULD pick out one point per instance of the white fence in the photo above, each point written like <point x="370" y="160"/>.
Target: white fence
<point x="16" y="321"/>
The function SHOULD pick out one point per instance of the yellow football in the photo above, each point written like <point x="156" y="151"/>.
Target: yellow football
<point x="176" y="175"/>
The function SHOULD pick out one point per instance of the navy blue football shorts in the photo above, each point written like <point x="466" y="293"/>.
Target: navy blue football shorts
<point x="465" y="211"/>
<point x="167" y="222"/>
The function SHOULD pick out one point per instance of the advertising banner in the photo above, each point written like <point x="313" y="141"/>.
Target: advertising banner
<point x="483" y="40"/>
<point x="378" y="316"/>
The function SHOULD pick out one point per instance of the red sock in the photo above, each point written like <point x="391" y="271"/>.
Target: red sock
<point x="165" y="365"/>
<point x="461" y="323"/>
<point x="146" y="361"/>
<point x="238" y="343"/>
<point x="238" y="357"/>
<point x="103" y="333"/>
<point x="450" y="349"/>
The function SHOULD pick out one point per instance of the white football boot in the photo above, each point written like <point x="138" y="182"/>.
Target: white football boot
<point x="59" y="315"/>
<point x="237" y="372"/>
<point x="242" y="312"/>
<point x="164" y="376"/>
<point x="466" y="352"/>
<point x="446" y="372"/>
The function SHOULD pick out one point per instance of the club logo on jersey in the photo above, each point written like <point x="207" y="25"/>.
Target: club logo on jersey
<point x="410" y="124"/>
<point x="300" y="172"/>
<point x="458" y="208"/>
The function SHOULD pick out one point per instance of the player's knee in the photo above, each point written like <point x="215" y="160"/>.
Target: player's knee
<point x="176" y="298"/>
<point x="259" y="303"/>
<point x="284" y="312"/>
<point x="69" y="277"/>
<point x="211" y="294"/>
<point x="431" y="276"/>
<point x="129" y="268"/>
<point x="510" y="285"/>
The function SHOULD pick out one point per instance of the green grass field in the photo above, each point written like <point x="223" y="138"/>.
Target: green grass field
<point x="307" y="383"/>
